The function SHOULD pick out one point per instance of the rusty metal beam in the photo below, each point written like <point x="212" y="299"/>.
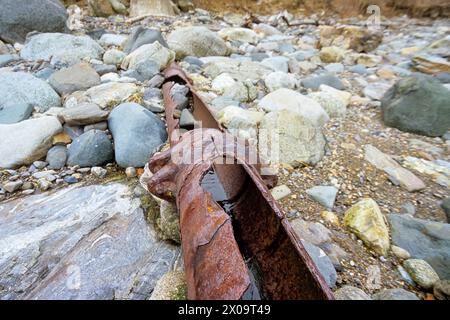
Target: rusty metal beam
<point x="236" y="241"/>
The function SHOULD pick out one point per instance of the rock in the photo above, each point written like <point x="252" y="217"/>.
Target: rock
<point x="106" y="8"/>
<point x="12" y="186"/>
<point x="358" y="68"/>
<point x="325" y="195"/>
<point x="278" y="79"/>
<point x="130" y="172"/>
<point x="185" y="5"/>
<point x="238" y="34"/>
<point x="423" y="239"/>
<point x="400" y="252"/>
<point x="241" y="122"/>
<point x="99" y="172"/>
<point x="187" y="119"/>
<point x="376" y="91"/>
<point x="77" y="77"/>
<point x="140" y="36"/>
<point x="172" y="286"/>
<point x="441" y="290"/>
<point x="334" y="107"/>
<point x="285" y="99"/>
<point x="445" y="205"/>
<point x="61" y="48"/>
<point x="3" y="48"/>
<point x="425" y="146"/>
<point x="113" y="57"/>
<point x="238" y="70"/>
<point x="314" y="82"/>
<point x="331" y="54"/>
<point x="111" y="39"/>
<point x="89" y="229"/>
<point x="418" y="104"/>
<point x="280" y="192"/>
<point x="15" y="112"/>
<point x="168" y="222"/>
<point x="322" y="262"/>
<point x="70" y="179"/>
<point x="438" y="170"/>
<point x="23" y="88"/>
<point x="44" y="184"/>
<point x="19" y="17"/>
<point x="397" y="174"/>
<point x="102" y="69"/>
<point x="421" y="272"/>
<point x="344" y="96"/>
<point x="137" y="134"/>
<point x="394" y="294"/>
<point x="430" y="64"/>
<point x="369" y="60"/>
<point x="408" y="208"/>
<point x="92" y="148"/>
<point x="330" y="217"/>
<point x="350" y="293"/>
<point x="313" y="232"/>
<point x="196" y="41"/>
<point x="56" y="157"/>
<point x="266" y="29"/>
<point x="5" y="59"/>
<point x="179" y="94"/>
<point x="367" y="222"/>
<point x="26" y="141"/>
<point x="154" y="51"/>
<point x="111" y="94"/>
<point x="83" y="114"/>
<point x="276" y="63"/>
<point x="144" y="7"/>
<point x="360" y="39"/>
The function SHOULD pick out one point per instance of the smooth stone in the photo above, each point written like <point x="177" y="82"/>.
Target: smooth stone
<point x="22" y="87"/>
<point x="20" y="17"/>
<point x="99" y="172"/>
<point x="26" y="141"/>
<point x="153" y="51"/>
<point x="376" y="91"/>
<point x="350" y="293"/>
<point x="238" y="34"/>
<point x="110" y="39"/>
<point x="102" y="69"/>
<point x="61" y="48"/>
<point x="90" y="149"/>
<point x="359" y="69"/>
<point x="314" y="82"/>
<point x="144" y="70"/>
<point x="400" y="252"/>
<point x="110" y="94"/>
<point x="325" y="195"/>
<point x="70" y="179"/>
<point x="12" y="186"/>
<point x="15" y="112"/>
<point x="140" y="36"/>
<point x="323" y="263"/>
<point x="83" y="114"/>
<point x="96" y="126"/>
<point x="421" y="272"/>
<point x="75" y="78"/>
<point x="276" y="63"/>
<point x="394" y="294"/>
<point x="280" y="192"/>
<point x="196" y="41"/>
<point x="89" y="228"/>
<point x="333" y="106"/>
<point x="277" y="80"/>
<point x="56" y="157"/>
<point x="137" y="133"/>
<point x="423" y="239"/>
<point x="113" y="57"/>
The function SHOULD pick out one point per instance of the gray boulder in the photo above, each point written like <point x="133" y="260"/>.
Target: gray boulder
<point x="19" y="17"/>
<point x="15" y="112"/>
<point x="140" y="36"/>
<point x="137" y="133"/>
<point x="423" y="239"/>
<point x="77" y="77"/>
<point x="26" y="141"/>
<point x="24" y="88"/>
<point x="418" y="104"/>
<point x="93" y="242"/>
<point x="59" y="48"/>
<point x="83" y="114"/>
<point x="92" y="148"/>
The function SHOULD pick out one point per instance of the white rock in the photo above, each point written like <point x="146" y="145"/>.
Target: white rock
<point x="277" y="80"/>
<point x="239" y="34"/>
<point x="154" y="51"/>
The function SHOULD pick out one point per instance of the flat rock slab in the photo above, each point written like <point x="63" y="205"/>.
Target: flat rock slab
<point x="90" y="242"/>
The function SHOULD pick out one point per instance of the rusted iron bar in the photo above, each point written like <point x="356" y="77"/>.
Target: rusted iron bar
<point x="236" y="242"/>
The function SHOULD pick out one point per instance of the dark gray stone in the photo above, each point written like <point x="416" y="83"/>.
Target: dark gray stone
<point x="314" y="82"/>
<point x="15" y="112"/>
<point x="140" y="36"/>
<point x="423" y="239"/>
<point x="418" y="104"/>
<point x="394" y="294"/>
<point x="19" y="17"/>
<point x="137" y="133"/>
<point x="90" y="149"/>
<point x="93" y="243"/>
<point x="322" y="262"/>
<point x="56" y="157"/>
